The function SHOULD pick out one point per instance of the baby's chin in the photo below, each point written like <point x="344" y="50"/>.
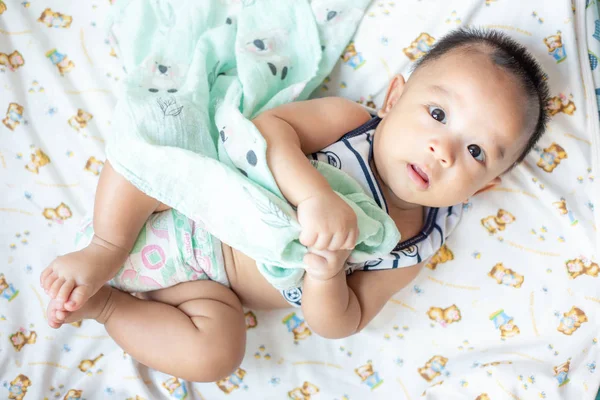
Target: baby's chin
<point x="424" y="198"/>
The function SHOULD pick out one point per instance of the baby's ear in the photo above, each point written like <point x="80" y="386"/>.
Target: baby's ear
<point x="393" y="94"/>
<point x="490" y="185"/>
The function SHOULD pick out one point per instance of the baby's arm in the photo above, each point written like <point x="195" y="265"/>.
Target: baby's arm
<point x="294" y="130"/>
<point x="342" y="306"/>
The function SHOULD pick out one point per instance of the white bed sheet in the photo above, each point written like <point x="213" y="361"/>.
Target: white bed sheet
<point x="67" y="111"/>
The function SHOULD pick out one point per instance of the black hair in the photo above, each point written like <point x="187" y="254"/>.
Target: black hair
<point x="509" y="55"/>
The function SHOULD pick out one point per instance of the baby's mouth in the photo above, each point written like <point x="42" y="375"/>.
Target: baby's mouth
<point x="421" y="173"/>
<point x="418" y="176"/>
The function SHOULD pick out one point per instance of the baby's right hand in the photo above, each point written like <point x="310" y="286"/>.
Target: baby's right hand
<point x="327" y="222"/>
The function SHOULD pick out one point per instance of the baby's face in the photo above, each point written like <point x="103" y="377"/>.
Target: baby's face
<point x="451" y="130"/>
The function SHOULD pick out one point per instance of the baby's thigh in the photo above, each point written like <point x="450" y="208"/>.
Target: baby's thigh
<point x="194" y="290"/>
<point x="217" y="315"/>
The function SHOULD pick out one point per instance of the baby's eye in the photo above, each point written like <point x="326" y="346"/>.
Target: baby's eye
<point x="438" y="114"/>
<point x="476" y="152"/>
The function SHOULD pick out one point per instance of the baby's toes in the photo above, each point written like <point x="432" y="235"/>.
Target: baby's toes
<point x="53" y="321"/>
<point x="58" y="283"/>
<point x="44" y="275"/>
<point x="65" y="290"/>
<point x="78" y="297"/>
<point x="61" y="315"/>
<point x="49" y="280"/>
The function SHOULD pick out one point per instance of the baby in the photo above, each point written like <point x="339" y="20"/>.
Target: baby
<point x="472" y="109"/>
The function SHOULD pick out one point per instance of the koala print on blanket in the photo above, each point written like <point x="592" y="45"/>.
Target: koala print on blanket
<point x="163" y="75"/>
<point x="241" y="156"/>
<point x="266" y="47"/>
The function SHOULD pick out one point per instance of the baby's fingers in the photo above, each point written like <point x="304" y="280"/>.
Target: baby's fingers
<point x="308" y="238"/>
<point x="312" y="260"/>
<point x="350" y="242"/>
<point x="337" y="242"/>
<point x="323" y="241"/>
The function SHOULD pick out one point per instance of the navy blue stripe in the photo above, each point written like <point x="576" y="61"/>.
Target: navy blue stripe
<point x="429" y="225"/>
<point x="365" y="170"/>
<point x="367" y="126"/>
<point x="370" y="140"/>
<point x="395" y="263"/>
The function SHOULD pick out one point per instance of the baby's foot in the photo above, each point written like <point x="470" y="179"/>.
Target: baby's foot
<point x="94" y="308"/>
<point x="72" y="279"/>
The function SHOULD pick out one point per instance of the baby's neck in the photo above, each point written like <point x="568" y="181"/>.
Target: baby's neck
<point x="393" y="201"/>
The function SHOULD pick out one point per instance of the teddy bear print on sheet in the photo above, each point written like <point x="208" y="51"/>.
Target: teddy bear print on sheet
<point x="507" y="309"/>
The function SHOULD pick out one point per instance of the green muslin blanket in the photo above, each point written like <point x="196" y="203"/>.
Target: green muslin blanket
<point x="197" y="73"/>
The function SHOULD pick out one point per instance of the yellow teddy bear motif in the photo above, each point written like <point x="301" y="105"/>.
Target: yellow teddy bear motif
<point x="444" y="254"/>
<point x="7" y="290"/>
<point x="85" y="366"/>
<point x="445" y="316"/>
<point x="14" y="116"/>
<point x="582" y="266"/>
<point x="561" y="206"/>
<point x="421" y="45"/>
<point x="73" y="394"/>
<point x="505" y="324"/>
<point x="232" y="382"/>
<point x="303" y="393"/>
<point x="352" y="58"/>
<point x="94" y="165"/>
<point x="483" y="396"/>
<point x="506" y="276"/>
<point x="61" y="61"/>
<point x="13" y="60"/>
<point x="54" y="19"/>
<point x="22" y="337"/>
<point x="297" y="326"/>
<point x="498" y="222"/>
<point x="571" y="321"/>
<point x="80" y="120"/>
<point x="58" y="214"/>
<point x="555" y="47"/>
<point x="561" y="372"/>
<point x="38" y="160"/>
<point x="2" y="7"/>
<point x="561" y="104"/>
<point x="551" y="157"/>
<point x="18" y="387"/>
<point x="175" y="388"/>
<point x="251" y="321"/>
<point x="433" y="368"/>
<point x="368" y="375"/>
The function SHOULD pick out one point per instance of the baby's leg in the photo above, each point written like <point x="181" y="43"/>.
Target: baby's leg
<point x="120" y="211"/>
<point x="197" y="332"/>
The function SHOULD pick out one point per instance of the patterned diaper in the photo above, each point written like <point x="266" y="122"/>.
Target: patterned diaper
<point x="170" y="249"/>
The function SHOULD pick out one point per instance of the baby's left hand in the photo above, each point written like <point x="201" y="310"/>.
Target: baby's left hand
<point x="324" y="265"/>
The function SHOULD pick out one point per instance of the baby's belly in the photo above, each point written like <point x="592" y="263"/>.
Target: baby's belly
<point x="247" y="282"/>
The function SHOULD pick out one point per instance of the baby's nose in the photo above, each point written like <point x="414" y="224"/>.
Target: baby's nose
<point x="442" y="152"/>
